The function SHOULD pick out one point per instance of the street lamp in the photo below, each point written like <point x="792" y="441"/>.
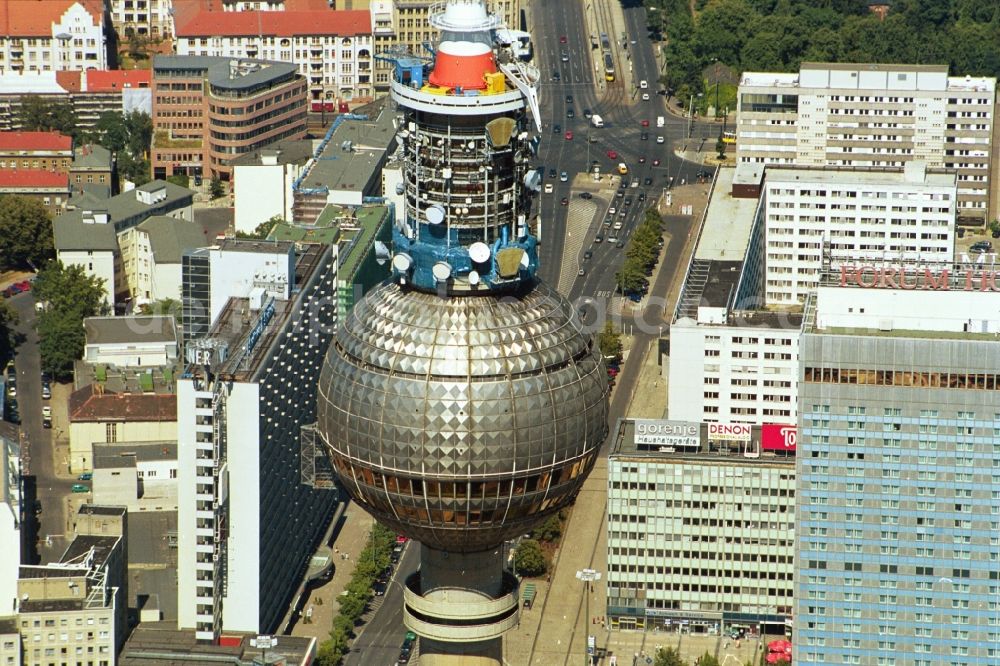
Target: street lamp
<point x="691" y="112"/>
<point x="588" y="576"/>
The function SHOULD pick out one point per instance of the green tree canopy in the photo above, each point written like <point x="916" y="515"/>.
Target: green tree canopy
<point x="529" y="560"/>
<point x="26" y="230"/>
<point x="41" y="115"/>
<point x="72" y="295"/>
<point x="668" y="657"/>
<point x="610" y="341"/>
<point x="129" y="136"/>
<point x="8" y="335"/>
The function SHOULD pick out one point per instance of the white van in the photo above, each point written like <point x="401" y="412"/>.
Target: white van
<point x="659" y="121"/>
<point x="596" y="121"/>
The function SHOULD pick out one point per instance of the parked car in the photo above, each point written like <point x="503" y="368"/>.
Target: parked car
<point x="612" y="155"/>
<point x="46" y="389"/>
<point x="552" y="173"/>
<point x="586" y="195"/>
<point x="587" y="113"/>
<point x="564" y="201"/>
<point x="587" y="255"/>
<point x="563" y="176"/>
<point x="981" y="247"/>
<point x="598" y="238"/>
<point x="46" y="417"/>
<point x="86" y="476"/>
<point x="80" y="488"/>
<point x="556" y="76"/>
<point x="557" y="129"/>
<point x="378" y="588"/>
<point x="644" y="136"/>
<point x="569" y="135"/>
<point x="570" y="113"/>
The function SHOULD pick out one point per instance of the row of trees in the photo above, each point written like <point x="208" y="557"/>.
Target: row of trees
<point x="127" y="135"/>
<point x="641" y="254"/>
<point x="778" y="35"/>
<point x="353" y="603"/>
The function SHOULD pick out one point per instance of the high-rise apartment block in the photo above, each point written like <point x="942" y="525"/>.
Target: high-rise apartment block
<point x="700" y="528"/>
<point x="898" y="514"/>
<point x="873" y="115"/>
<point x="246" y="526"/>
<point x="818" y="215"/>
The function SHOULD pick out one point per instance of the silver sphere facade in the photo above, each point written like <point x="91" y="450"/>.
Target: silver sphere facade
<point x="462" y="421"/>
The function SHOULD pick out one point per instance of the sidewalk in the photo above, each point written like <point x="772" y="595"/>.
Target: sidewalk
<point x="350" y="541"/>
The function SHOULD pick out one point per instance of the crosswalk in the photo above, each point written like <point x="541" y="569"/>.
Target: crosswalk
<point x="581" y="214"/>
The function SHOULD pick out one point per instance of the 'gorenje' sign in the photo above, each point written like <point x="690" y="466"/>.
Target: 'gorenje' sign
<point x="920" y="278"/>
<point x="667" y="433"/>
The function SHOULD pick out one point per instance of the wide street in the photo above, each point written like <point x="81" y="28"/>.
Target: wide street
<point x="41" y="482"/>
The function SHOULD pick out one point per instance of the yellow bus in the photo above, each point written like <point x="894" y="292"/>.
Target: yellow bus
<point x="609" y="68"/>
<point x="729" y="137"/>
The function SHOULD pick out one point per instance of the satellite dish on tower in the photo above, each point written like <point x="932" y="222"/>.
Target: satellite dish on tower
<point x="402" y="262"/>
<point x="441" y="271"/>
<point x="434" y="214"/>
<point x="479" y="252"/>
<point x="382" y="253"/>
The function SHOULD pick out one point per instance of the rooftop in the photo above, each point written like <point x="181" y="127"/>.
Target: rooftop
<point x="8" y="625"/>
<point x="358" y="238"/>
<point x="130" y="330"/>
<point x="287" y="151"/>
<point x="170" y="238"/>
<point x="164" y="644"/>
<point x="82" y="545"/>
<point x="324" y="233"/>
<point x="93" y="404"/>
<point x="34" y="141"/>
<point x="728" y="221"/>
<point x="269" y="246"/>
<point x="111" y="80"/>
<point x="36" y="83"/>
<point x="127" y="454"/>
<point x="102" y="510"/>
<point x="236" y="321"/>
<point x="33" y="179"/>
<point x="873" y="67"/>
<point x="219" y="71"/>
<point x="91" y="156"/>
<point x="288" y="23"/>
<point x="34" y="18"/>
<point x="115" y="379"/>
<point x="339" y="169"/>
<point x="915" y="172"/>
<point x="625" y="446"/>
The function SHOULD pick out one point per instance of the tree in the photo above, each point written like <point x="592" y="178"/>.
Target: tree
<point x="179" y="179"/>
<point x="41" y="115"/>
<point x="549" y="531"/>
<point x="164" y="306"/>
<point x="26" y="230"/>
<point x="529" y="560"/>
<point x="263" y="230"/>
<point x="216" y="189"/>
<point x="128" y="136"/>
<point x="72" y="295"/>
<point x="706" y="660"/>
<point x="8" y="336"/>
<point x="668" y="657"/>
<point x="610" y="341"/>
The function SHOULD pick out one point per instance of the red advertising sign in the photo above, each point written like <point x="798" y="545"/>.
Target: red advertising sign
<point x="774" y="437"/>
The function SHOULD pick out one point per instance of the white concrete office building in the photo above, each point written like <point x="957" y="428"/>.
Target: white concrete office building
<point x="701" y="533"/>
<point x="873" y="115"/>
<point x="730" y="359"/>
<point x="852" y="213"/>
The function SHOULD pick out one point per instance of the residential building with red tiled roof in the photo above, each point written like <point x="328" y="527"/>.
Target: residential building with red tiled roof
<point x="333" y="49"/>
<point x="52" y="35"/>
<point x="49" y="188"/>
<point x="100" y="416"/>
<point x="109" y="80"/>
<point x="195" y="102"/>
<point x="54" y="152"/>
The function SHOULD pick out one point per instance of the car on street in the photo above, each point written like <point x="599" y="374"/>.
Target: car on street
<point x="46" y="417"/>
<point x="86" y="476"/>
<point x="588" y="254"/>
<point x="644" y="136"/>
<point x="704" y="173"/>
<point x="563" y="176"/>
<point x="645" y="97"/>
<point x="552" y="173"/>
<point x="564" y="201"/>
<point x="564" y="57"/>
<point x="11" y="414"/>
<point x="598" y="238"/>
<point x="562" y="39"/>
<point x="556" y="76"/>
<point x="569" y="135"/>
<point x="620" y="244"/>
<point x="643" y="84"/>
<point x="548" y="188"/>
<point x="80" y="488"/>
<point x="647" y="181"/>
<point x="642" y="195"/>
<point x="659" y="139"/>
<point x="628" y="201"/>
<point x="581" y="272"/>
<point x="642" y="159"/>
<point x="378" y="588"/>
<point x="656" y="162"/>
<point x="612" y="210"/>
<point x="618" y="225"/>
<point x="569" y="99"/>
<point x="46" y="389"/>
<point x="612" y="238"/>
<point x="644" y="122"/>
<point x="587" y="113"/>
<point x="401" y="540"/>
<point x="981" y="247"/>
<point x="556" y="129"/>
<point x="619" y="194"/>
<point x="612" y="154"/>
<point x="570" y="113"/>
<point x="586" y="195"/>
